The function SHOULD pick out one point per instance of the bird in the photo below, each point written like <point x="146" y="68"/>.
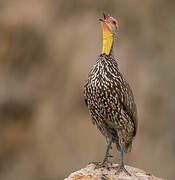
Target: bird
<point x="110" y="99"/>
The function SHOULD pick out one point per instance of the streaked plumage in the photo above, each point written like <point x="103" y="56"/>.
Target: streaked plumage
<point x="111" y="102"/>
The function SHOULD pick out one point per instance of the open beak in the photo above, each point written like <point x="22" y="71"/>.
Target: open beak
<point x="105" y="17"/>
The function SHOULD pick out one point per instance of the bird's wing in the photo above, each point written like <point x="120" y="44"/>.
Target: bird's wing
<point x="126" y="98"/>
<point x="123" y="92"/>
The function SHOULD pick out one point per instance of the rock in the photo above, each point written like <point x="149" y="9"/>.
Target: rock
<point x="109" y="173"/>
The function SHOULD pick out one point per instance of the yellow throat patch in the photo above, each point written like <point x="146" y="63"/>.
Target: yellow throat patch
<point x="107" y="40"/>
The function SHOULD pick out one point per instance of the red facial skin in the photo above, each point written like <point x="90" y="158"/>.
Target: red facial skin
<point x="109" y="20"/>
<point x="105" y="27"/>
<point x="113" y="21"/>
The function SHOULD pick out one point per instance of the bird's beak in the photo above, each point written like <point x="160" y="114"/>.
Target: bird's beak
<point x="105" y="16"/>
<point x="101" y="20"/>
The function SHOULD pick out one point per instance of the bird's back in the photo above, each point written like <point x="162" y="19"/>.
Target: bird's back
<point x="110" y="101"/>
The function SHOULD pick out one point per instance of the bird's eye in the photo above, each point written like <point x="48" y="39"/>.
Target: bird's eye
<point x="114" y="22"/>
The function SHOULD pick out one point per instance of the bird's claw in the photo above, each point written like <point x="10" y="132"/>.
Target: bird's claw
<point x="121" y="168"/>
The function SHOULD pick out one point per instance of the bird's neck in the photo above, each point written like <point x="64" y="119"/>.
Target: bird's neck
<point x="108" y="40"/>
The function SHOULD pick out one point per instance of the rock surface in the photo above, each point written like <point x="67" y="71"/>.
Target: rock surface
<point x="109" y="173"/>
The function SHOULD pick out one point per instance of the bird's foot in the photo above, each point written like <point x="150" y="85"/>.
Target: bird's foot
<point x="121" y="168"/>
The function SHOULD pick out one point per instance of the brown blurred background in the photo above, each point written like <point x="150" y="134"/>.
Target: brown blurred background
<point x="47" y="48"/>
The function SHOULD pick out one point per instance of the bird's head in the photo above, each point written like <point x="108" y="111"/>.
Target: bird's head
<point x="110" y="27"/>
<point x="109" y="23"/>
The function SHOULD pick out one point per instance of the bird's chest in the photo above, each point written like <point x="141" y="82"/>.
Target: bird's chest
<point x="101" y="91"/>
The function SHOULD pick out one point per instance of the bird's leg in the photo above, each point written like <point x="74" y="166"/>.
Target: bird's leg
<point x="107" y="155"/>
<point x="108" y="147"/>
<point x="121" y="166"/>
